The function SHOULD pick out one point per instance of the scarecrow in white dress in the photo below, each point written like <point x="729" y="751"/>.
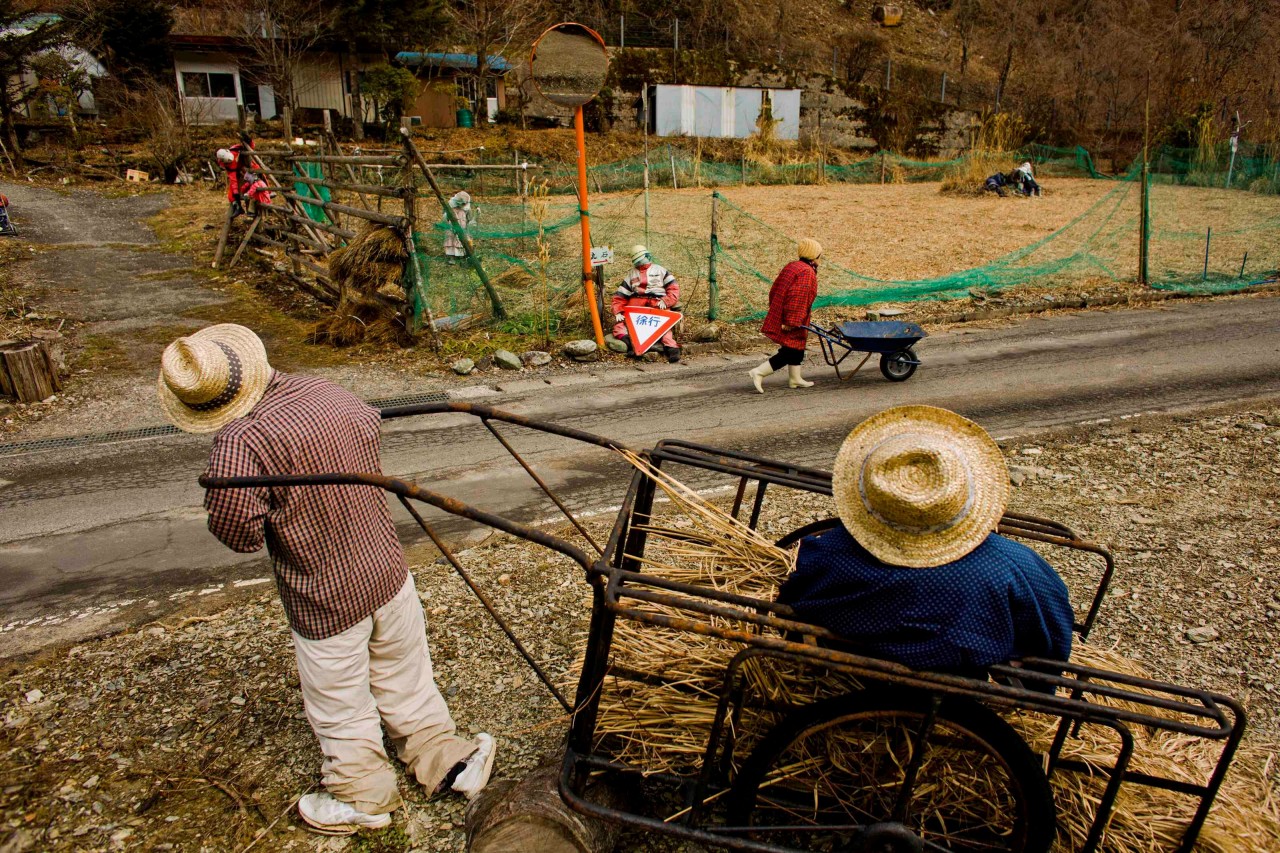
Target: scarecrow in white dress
<point x="461" y="204"/>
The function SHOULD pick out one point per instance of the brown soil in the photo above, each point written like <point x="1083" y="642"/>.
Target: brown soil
<point x="191" y="734"/>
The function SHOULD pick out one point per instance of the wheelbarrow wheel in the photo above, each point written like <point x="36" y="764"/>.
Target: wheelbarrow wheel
<point x="835" y="776"/>
<point x="898" y="366"/>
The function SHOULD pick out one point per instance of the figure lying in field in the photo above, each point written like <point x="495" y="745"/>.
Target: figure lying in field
<point x="996" y="184"/>
<point x="1024" y="180"/>
<point x="916" y="573"/>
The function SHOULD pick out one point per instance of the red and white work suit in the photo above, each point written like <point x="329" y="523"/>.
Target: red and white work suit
<point x="236" y="168"/>
<point x="649" y="286"/>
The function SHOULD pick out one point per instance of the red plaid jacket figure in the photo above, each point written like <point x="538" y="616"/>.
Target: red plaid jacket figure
<point x="790" y="303"/>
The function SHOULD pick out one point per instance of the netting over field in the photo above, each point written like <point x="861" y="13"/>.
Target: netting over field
<point x="530" y="244"/>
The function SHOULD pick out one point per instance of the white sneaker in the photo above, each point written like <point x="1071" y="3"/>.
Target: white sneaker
<point x="330" y="816"/>
<point x="478" y="766"/>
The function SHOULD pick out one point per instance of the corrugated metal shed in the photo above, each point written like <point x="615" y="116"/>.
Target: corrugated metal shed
<point x="722" y="112"/>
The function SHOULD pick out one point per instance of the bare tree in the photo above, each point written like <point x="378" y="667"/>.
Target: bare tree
<point x="497" y="28"/>
<point x="279" y="35"/>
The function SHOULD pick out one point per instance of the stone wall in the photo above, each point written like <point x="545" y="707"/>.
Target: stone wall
<point x="847" y="116"/>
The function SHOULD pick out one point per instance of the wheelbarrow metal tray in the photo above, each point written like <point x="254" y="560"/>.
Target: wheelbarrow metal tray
<point x="883" y="336"/>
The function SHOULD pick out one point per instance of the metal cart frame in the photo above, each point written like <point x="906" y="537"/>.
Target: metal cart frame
<point x="620" y="590"/>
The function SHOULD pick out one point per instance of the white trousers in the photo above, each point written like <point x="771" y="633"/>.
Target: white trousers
<point x="378" y="668"/>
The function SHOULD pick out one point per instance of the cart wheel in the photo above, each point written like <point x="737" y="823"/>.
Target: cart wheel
<point x="898" y="366"/>
<point x="833" y="777"/>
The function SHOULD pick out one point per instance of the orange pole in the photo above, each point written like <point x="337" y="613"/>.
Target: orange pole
<point x="588" y="274"/>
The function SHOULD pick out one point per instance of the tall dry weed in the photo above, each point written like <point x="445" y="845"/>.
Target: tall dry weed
<point x="996" y="140"/>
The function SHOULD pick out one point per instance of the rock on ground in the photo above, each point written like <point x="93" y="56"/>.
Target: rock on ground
<point x="507" y="360"/>
<point x="463" y="366"/>
<point x="581" y="350"/>
<point x="536" y="358"/>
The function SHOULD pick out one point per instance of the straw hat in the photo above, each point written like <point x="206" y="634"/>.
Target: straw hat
<point x="212" y="377"/>
<point x="919" y="486"/>
<point x="809" y="249"/>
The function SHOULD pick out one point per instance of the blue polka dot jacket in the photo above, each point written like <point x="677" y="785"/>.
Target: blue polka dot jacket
<point x="1000" y="602"/>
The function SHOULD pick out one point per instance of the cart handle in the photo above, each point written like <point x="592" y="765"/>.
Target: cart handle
<point x="413" y="491"/>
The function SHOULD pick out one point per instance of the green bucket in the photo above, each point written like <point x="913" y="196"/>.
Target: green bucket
<point x="466" y="118"/>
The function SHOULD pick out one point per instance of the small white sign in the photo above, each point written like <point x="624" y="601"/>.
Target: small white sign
<point x="601" y="255"/>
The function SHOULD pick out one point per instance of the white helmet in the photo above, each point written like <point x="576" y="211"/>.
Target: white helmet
<point x="639" y="255"/>
<point x="225" y="156"/>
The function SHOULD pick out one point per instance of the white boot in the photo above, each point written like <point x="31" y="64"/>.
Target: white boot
<point x="794" y="379"/>
<point x="758" y="374"/>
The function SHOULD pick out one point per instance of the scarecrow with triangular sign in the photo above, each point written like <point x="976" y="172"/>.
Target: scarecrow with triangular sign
<point x="642" y="307"/>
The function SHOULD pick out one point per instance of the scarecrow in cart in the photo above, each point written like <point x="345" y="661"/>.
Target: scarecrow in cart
<point x="461" y="205"/>
<point x="647" y="285"/>
<point x="235" y="161"/>
<point x="6" y="224"/>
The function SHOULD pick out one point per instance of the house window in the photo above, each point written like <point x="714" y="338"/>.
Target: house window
<point x="208" y="84"/>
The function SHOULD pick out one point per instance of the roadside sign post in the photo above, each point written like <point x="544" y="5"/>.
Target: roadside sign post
<point x="569" y="63"/>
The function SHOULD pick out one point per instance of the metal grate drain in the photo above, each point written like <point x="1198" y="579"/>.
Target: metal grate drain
<point x="71" y="441"/>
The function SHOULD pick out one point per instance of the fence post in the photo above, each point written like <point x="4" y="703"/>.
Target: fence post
<point x="944" y="87"/>
<point x="622" y="31"/>
<point x="675" y="55"/>
<point x="1144" y="216"/>
<point x="1208" y="236"/>
<point x="888" y="74"/>
<point x="672" y="154"/>
<point x="644" y="106"/>
<point x="713" y="286"/>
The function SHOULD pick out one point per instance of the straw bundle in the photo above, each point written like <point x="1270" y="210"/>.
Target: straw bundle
<point x="368" y="272"/>
<point x="1245" y="815"/>
<point x="662" y="724"/>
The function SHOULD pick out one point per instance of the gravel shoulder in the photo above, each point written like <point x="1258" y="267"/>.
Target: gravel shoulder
<point x="189" y="734"/>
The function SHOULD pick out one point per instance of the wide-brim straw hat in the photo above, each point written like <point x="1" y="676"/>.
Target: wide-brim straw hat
<point x="919" y="486"/>
<point x="809" y="249"/>
<point x="212" y="377"/>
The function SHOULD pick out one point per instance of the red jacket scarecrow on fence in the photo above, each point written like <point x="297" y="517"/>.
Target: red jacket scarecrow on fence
<point x="790" y="304"/>
<point x="357" y="623"/>
<point x="647" y="285"/>
<point x="236" y="161"/>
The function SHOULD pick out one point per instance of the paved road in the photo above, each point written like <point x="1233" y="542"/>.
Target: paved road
<point x="91" y="526"/>
<point x="82" y="530"/>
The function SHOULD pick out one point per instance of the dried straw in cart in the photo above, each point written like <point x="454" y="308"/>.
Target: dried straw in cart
<point x="662" y="723"/>
<point x="368" y="272"/>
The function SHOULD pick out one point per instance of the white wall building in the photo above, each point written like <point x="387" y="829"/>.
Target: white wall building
<point x="722" y="111"/>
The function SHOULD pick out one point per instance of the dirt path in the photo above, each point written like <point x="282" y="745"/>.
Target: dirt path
<point x="124" y="296"/>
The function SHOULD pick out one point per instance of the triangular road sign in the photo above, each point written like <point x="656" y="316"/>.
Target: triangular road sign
<point x="647" y="325"/>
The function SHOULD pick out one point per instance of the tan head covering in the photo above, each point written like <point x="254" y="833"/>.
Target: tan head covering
<point x="212" y="377"/>
<point x="919" y="486"/>
<point x="809" y="249"/>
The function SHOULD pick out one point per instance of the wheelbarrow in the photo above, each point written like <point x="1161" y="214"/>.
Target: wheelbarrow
<point x="890" y="339"/>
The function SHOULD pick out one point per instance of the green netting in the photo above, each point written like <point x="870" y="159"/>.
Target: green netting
<point x="531" y="247"/>
<point x="312" y="170"/>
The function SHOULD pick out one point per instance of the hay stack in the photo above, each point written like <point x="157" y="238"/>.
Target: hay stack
<point x="665" y="727"/>
<point x="368" y="272"/>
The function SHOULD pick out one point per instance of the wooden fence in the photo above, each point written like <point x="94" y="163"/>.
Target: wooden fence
<point x="379" y="188"/>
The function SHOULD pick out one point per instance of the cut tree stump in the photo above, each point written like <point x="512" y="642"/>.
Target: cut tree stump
<point x="27" y="371"/>
<point x="528" y="816"/>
